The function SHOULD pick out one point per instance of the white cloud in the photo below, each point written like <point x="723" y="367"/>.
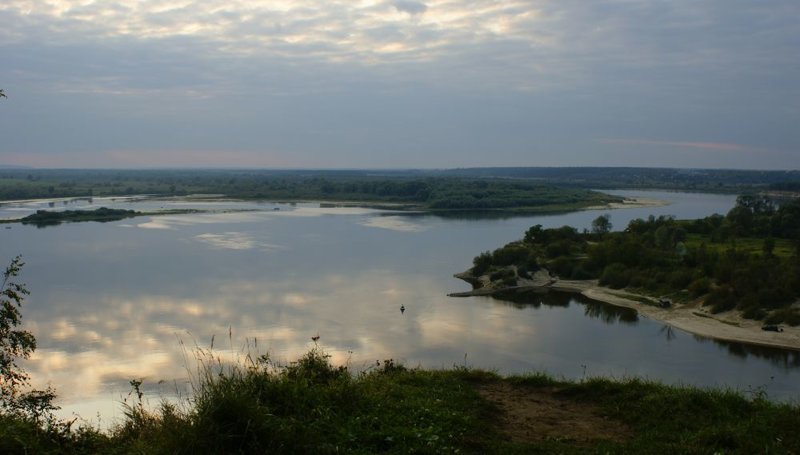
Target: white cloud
<point x="365" y="33"/>
<point x="405" y="83"/>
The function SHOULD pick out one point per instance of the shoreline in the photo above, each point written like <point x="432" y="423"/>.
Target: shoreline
<point x="630" y="203"/>
<point x="690" y="317"/>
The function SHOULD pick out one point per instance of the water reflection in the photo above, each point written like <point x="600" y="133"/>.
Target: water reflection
<point x="534" y="299"/>
<point x="112" y="302"/>
<point x="668" y="331"/>
<point x="609" y="314"/>
<point x="782" y="358"/>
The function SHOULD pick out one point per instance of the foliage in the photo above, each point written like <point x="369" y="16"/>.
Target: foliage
<point x="102" y="214"/>
<point x="602" y="224"/>
<point x="22" y="409"/>
<point x="747" y="260"/>
<point x="311" y="406"/>
<point x="14" y="343"/>
<point x="705" y="180"/>
<point x="668" y="419"/>
<point x="406" y="189"/>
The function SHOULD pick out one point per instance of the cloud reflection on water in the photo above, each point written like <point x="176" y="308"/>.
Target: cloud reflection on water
<point x="140" y="293"/>
<point x="234" y="241"/>
<point x="100" y="341"/>
<point x="99" y="344"/>
<point x="393" y="223"/>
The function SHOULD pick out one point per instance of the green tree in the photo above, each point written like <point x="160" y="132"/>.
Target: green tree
<point x="482" y="263"/>
<point x="602" y="224"/>
<point x="16" y="344"/>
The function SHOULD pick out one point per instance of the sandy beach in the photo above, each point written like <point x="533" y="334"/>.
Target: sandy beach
<point x="630" y="203"/>
<point x="692" y="317"/>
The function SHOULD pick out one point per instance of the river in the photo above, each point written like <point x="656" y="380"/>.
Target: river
<point x="132" y="299"/>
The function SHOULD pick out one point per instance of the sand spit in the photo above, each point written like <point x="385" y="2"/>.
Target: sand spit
<point x="630" y="203"/>
<point x="690" y="317"/>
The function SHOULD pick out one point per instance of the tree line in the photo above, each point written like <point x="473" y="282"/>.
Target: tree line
<point x="434" y="193"/>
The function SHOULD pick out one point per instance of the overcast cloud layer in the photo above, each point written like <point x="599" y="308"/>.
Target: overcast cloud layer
<point x="403" y="83"/>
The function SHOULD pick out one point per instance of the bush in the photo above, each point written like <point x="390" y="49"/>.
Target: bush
<point x="615" y="276"/>
<point x="680" y="279"/>
<point x="699" y="287"/>
<point x="481" y="263"/>
<point x="562" y="266"/>
<point x="510" y="255"/>
<point x="788" y="316"/>
<point x="504" y="275"/>
<point x="580" y="273"/>
<point x="754" y="313"/>
<point x="558" y="248"/>
<point x="721" y="299"/>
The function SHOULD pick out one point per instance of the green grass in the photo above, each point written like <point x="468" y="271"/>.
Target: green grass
<point x="783" y="247"/>
<point x="311" y="406"/>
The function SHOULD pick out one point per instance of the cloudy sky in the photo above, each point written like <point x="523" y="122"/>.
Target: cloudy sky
<point x="400" y="83"/>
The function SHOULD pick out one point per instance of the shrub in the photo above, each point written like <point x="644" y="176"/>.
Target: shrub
<point x="754" y="313"/>
<point x="615" y="276"/>
<point x="785" y="315"/>
<point x="510" y="255"/>
<point x="481" y="263"/>
<point x="699" y="287"/>
<point x="721" y="299"/>
<point x="680" y="279"/>
<point x="562" y="266"/>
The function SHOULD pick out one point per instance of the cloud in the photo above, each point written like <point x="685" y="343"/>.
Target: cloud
<point x="313" y="83"/>
<point x="364" y="33"/>
<point x="410" y="7"/>
<point x="707" y="146"/>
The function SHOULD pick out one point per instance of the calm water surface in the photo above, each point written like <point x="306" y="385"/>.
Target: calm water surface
<point x="129" y="299"/>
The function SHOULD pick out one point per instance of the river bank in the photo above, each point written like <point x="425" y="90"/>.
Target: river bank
<point x="690" y="317"/>
<point x="312" y="405"/>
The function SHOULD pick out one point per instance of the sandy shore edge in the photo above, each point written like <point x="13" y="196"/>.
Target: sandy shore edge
<point x="691" y="318"/>
<point x="630" y="203"/>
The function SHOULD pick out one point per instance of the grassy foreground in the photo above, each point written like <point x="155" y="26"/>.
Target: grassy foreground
<point x="311" y="406"/>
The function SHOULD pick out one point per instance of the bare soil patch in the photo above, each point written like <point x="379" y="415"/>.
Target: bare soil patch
<point x="537" y="414"/>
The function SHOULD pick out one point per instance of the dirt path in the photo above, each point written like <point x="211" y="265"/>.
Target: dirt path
<point x="537" y="414"/>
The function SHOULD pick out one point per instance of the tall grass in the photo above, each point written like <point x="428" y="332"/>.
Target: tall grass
<point x="250" y="404"/>
<point x="311" y="406"/>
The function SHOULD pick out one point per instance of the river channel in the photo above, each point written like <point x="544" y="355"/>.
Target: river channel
<point x="133" y="298"/>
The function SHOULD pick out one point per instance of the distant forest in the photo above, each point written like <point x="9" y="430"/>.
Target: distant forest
<point x="707" y="180"/>
<point x="411" y="186"/>
<point x="408" y="190"/>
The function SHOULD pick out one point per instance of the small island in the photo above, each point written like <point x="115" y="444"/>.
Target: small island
<point x="102" y="214"/>
<point x="734" y="277"/>
<point x="45" y="218"/>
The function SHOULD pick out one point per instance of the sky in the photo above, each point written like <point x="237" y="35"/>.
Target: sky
<point x="400" y="83"/>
